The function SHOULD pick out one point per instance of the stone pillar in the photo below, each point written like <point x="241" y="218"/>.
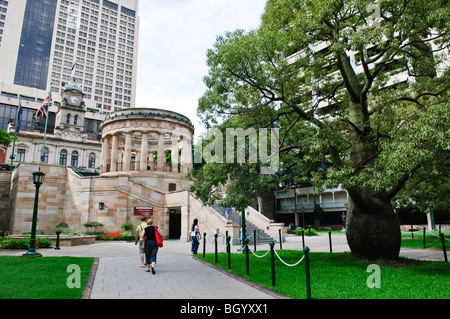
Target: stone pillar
<point x="186" y="156"/>
<point x="106" y="154"/>
<point x="137" y="161"/>
<point x="161" y="160"/>
<point x="144" y="150"/>
<point x="174" y="154"/>
<point x="127" y="153"/>
<point x="114" y="153"/>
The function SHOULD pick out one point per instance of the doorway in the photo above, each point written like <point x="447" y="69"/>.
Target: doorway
<point x="174" y="223"/>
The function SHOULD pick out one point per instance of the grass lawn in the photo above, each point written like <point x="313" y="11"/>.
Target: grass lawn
<point x="341" y="276"/>
<point x="432" y="239"/>
<point x="42" y="278"/>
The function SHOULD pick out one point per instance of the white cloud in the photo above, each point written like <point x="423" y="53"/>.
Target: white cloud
<point x="173" y="40"/>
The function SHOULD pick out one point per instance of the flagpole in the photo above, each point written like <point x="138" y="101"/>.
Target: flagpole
<point x="15" y="136"/>
<point x="46" y="121"/>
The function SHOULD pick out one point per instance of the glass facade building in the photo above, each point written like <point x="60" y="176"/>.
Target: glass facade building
<point x="35" y="44"/>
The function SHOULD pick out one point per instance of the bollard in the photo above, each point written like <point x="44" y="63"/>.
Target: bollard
<point x="272" y="261"/>
<point x="246" y="256"/>
<point x="308" y="278"/>
<point x="412" y="232"/>
<point x="443" y="246"/>
<point x="229" y="251"/>
<point x="57" y="240"/>
<point x="279" y="234"/>
<point x="303" y="238"/>
<point x="254" y="240"/>
<point x="424" y="230"/>
<point x="204" y="244"/>
<point x="329" y="235"/>
<point x="215" y="246"/>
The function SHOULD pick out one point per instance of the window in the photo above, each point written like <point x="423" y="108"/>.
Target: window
<point x="68" y="119"/>
<point x="91" y="163"/>
<point x="63" y="158"/>
<point x="74" y="159"/>
<point x="44" y="157"/>
<point x="21" y="155"/>
<point x="75" y="120"/>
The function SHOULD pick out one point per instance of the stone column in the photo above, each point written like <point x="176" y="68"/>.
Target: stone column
<point x="144" y="151"/>
<point x="186" y="155"/>
<point x="137" y="161"/>
<point x="127" y="153"/>
<point x="106" y="154"/>
<point x="161" y="160"/>
<point x="174" y="152"/>
<point x="114" y="153"/>
<point x="103" y="155"/>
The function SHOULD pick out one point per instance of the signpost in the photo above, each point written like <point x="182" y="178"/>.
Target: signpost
<point x="143" y="211"/>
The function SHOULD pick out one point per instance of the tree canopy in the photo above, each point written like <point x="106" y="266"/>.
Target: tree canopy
<point x="358" y="89"/>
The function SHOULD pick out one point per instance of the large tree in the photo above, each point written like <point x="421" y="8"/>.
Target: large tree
<point x="328" y="74"/>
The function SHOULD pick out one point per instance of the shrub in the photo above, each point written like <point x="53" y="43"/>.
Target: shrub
<point x="24" y="243"/>
<point x="308" y="232"/>
<point x="112" y="236"/>
<point x="127" y="225"/>
<point x="62" y="225"/>
<point x="95" y="226"/>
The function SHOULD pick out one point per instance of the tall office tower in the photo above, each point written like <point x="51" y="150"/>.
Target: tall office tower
<point x="42" y="40"/>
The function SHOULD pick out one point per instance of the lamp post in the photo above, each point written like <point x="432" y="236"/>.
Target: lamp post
<point x="38" y="180"/>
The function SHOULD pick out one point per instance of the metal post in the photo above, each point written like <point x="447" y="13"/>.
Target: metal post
<point x="57" y="240"/>
<point x="204" y="244"/>
<point x="303" y="238"/>
<point x="424" y="230"/>
<point x="32" y="250"/>
<point x="412" y="232"/>
<point x="443" y="246"/>
<point x="246" y="255"/>
<point x="215" y="246"/>
<point x="308" y="278"/>
<point x="279" y="234"/>
<point x="272" y="261"/>
<point x="229" y="251"/>
<point x="329" y="235"/>
<point x="254" y="240"/>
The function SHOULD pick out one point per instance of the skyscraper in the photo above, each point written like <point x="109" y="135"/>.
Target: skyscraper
<point x="48" y="41"/>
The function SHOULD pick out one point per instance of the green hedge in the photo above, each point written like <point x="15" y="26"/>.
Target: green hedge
<point x="24" y="243"/>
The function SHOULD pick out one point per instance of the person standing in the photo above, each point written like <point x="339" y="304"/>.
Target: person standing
<point x="227" y="212"/>
<point x="151" y="248"/>
<point x="137" y="238"/>
<point x="195" y="237"/>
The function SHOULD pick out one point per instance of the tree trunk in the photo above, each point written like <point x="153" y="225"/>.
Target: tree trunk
<point x="372" y="227"/>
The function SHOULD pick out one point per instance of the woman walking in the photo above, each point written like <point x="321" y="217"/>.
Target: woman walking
<point x="151" y="248"/>
<point x="195" y="237"/>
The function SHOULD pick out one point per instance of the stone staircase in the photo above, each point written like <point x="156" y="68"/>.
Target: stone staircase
<point x="235" y="217"/>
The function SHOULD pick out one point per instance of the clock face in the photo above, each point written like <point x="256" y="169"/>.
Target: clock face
<point x="74" y="99"/>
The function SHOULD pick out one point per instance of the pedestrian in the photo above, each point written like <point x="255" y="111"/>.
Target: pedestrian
<point x="138" y="239"/>
<point x="151" y="248"/>
<point x="195" y="237"/>
<point x="227" y="212"/>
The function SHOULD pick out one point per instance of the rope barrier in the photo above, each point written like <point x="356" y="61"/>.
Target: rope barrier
<point x="259" y="256"/>
<point x="289" y="265"/>
<point x="276" y="253"/>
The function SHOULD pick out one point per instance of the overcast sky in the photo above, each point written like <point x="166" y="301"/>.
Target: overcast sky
<point x="173" y="40"/>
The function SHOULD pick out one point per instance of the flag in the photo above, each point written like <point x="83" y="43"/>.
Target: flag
<point x="73" y="68"/>
<point x="19" y="116"/>
<point x="43" y="110"/>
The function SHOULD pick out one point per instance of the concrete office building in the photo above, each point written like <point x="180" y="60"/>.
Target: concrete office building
<point x="41" y="40"/>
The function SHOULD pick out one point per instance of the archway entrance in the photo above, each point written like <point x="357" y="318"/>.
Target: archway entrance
<point x="175" y="223"/>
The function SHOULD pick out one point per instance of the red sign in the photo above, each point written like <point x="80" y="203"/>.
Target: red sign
<point x="143" y="211"/>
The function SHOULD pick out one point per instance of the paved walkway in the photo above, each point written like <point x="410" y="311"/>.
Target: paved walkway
<point x="179" y="275"/>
